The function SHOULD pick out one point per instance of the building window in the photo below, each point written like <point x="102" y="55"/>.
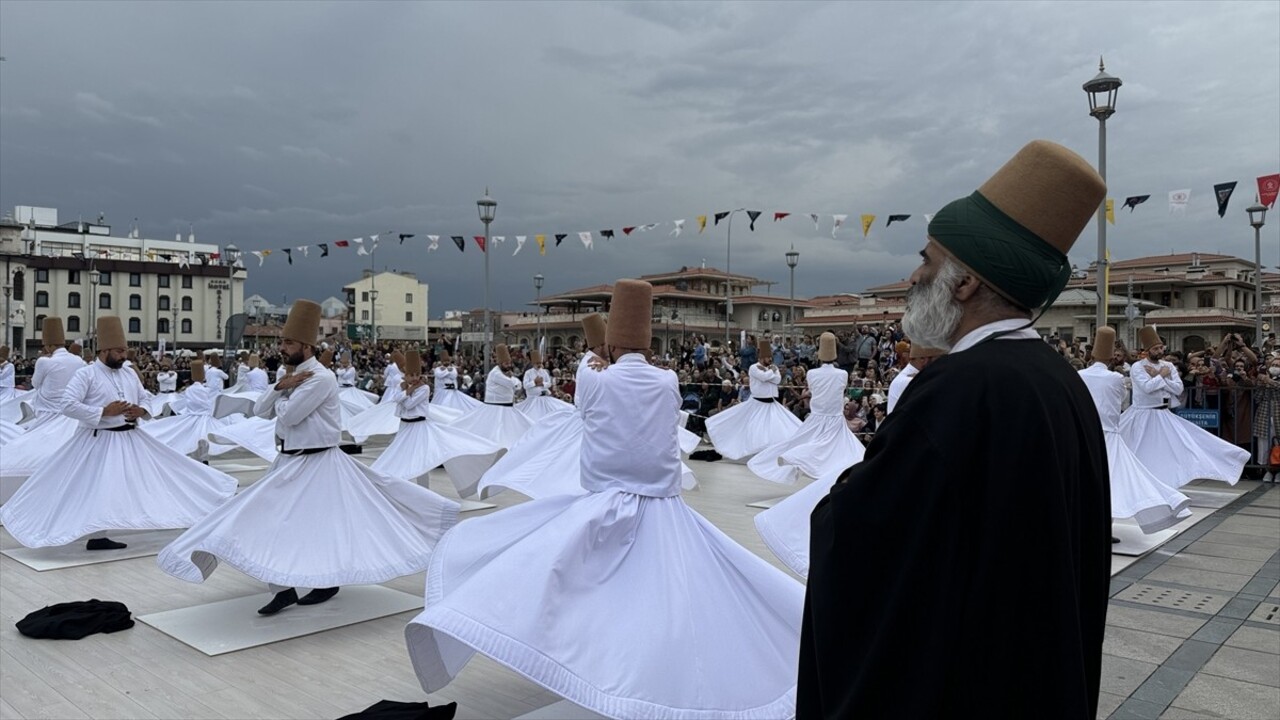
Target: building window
<point x="104" y="301"/>
<point x="408" y="298"/>
<point x="73" y="323"/>
<point x="42" y="298"/>
<point x="19" y="283"/>
<point x="408" y="316"/>
<point x="135" y="325"/>
<point x="73" y="300"/>
<point x="40" y="324"/>
<point x="162" y="280"/>
<point x="364" y="314"/>
<point x="135" y="279"/>
<point x="364" y="296"/>
<point x="1206" y="298"/>
<point x="186" y="303"/>
<point x="135" y="302"/>
<point x="162" y="326"/>
<point x="186" y="327"/>
<point x="73" y="277"/>
<point x="186" y="282"/>
<point x="104" y="278"/>
<point x="164" y="301"/>
<point x="42" y="275"/>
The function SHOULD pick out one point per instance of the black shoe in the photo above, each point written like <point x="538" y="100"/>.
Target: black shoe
<point x="1114" y="539"/>
<point x="282" y="600"/>
<point x="317" y="596"/>
<point x="104" y="544"/>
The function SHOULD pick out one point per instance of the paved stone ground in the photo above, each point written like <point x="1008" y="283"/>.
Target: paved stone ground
<point x="1193" y="630"/>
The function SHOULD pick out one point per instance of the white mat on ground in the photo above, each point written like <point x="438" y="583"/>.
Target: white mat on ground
<point x="239" y="467"/>
<point x="563" y="710"/>
<point x="1134" y="543"/>
<point x="141" y="544"/>
<point x="766" y="504"/>
<point x="230" y="625"/>
<point x="1209" y="498"/>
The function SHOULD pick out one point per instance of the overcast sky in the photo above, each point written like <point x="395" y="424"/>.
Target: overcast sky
<point x="280" y="124"/>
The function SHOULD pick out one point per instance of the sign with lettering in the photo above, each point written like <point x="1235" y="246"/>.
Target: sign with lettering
<point x="1207" y="419"/>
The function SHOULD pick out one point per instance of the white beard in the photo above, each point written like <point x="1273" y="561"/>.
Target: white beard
<point x="933" y="314"/>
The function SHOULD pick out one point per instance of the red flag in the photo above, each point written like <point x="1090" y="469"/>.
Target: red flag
<point x="779" y="216"/>
<point x="1268" y="188"/>
<point x="627" y="230"/>
<point x="480" y="241"/>
<point x="342" y="243"/>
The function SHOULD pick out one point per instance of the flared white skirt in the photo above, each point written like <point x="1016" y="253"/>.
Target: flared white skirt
<point x="318" y="520"/>
<point x="11" y="408"/>
<point x="113" y="481"/>
<point x="822" y="446"/>
<point x="749" y="427"/>
<point x="162" y="404"/>
<point x="536" y="408"/>
<point x="1137" y="494"/>
<point x="455" y="399"/>
<point x="421" y="446"/>
<point x="381" y="420"/>
<point x="630" y="606"/>
<point x="1176" y="451"/>
<point x="39" y="442"/>
<point x="785" y="526"/>
<point x="9" y="431"/>
<point x="500" y="424"/>
<point x="189" y="434"/>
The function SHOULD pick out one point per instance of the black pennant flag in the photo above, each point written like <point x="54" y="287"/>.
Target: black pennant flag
<point x="288" y="253"/>
<point x="460" y="242"/>
<point x="606" y="234"/>
<point x="403" y="236"/>
<point x="1223" y="191"/>
<point x="753" y="214"/>
<point x="1135" y="200"/>
<point x="324" y="249"/>
<point x="896" y="218"/>
<point x="560" y="237"/>
<point x="720" y="216"/>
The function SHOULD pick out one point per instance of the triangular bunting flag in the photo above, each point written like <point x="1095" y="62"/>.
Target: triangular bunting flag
<point x="866" y="224"/>
<point x="648" y="226"/>
<point x="1111" y="211"/>
<point x="560" y="238"/>
<point x="1178" y="200"/>
<point x="324" y="250"/>
<point x="1268" y="189"/>
<point x="184" y="260"/>
<point x="778" y="216"/>
<point x="373" y="239"/>
<point x="896" y="218"/>
<point x="928" y="218"/>
<point x="542" y="244"/>
<point x="1223" y="191"/>
<point x="404" y="236"/>
<point x="499" y="238"/>
<point x="702" y="223"/>
<point x="519" y="244"/>
<point x="814" y="217"/>
<point x="361" y="250"/>
<point x="753" y="214"/>
<point x="342" y="243"/>
<point x="434" y="241"/>
<point x="627" y="230"/>
<point x="1134" y="201"/>
<point x="679" y="227"/>
<point x="262" y="255"/>
<point x="303" y="249"/>
<point x="460" y="242"/>
<point x="585" y="237"/>
<point x="606" y="234"/>
<point x="288" y="253"/>
<point x="837" y="221"/>
<point x="480" y="241"/>
<point x="720" y="216"/>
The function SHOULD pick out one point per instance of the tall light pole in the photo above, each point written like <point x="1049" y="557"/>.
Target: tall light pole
<point x="728" y="270"/>
<point x="1102" y="91"/>
<point x="8" y="289"/>
<point x="1257" y="218"/>
<point x="94" y="279"/>
<point x="537" y="288"/>
<point x="793" y="258"/>
<point x="487" y="207"/>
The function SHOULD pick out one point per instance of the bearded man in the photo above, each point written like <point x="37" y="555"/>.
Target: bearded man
<point x="999" y="475"/>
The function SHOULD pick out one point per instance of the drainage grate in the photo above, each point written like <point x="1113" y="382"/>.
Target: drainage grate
<point x="1174" y="598"/>
<point x="1267" y="612"/>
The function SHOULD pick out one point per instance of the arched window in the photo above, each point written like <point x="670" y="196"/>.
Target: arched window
<point x="186" y="303"/>
<point x="42" y="298"/>
<point x="1192" y="343"/>
<point x="186" y="327"/>
<point x="73" y="323"/>
<point x="135" y="302"/>
<point x="135" y="325"/>
<point x="19" y="283"/>
<point x="162" y="327"/>
<point x="73" y="300"/>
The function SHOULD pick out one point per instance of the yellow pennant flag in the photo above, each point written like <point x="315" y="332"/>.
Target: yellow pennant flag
<point x="151" y="254"/>
<point x="542" y="244"/>
<point x="702" y="223"/>
<point x="866" y="224"/>
<point x="1111" y="211"/>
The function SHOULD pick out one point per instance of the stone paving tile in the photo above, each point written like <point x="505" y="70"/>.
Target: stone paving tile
<point x="1204" y="547"/>
<point x="1243" y="539"/>
<point x="1138" y="645"/>
<point x="1192" y="655"/>
<point x="1247" y="665"/>
<point x="1267" y="612"/>
<point x="1163" y="686"/>
<point x="1208" y="579"/>
<point x="1135" y="709"/>
<point x="1259" y="639"/>
<point x="1107" y="703"/>
<point x="1255" y="511"/>
<point x="1245" y="518"/>
<point x="1240" y="608"/>
<point x="1225" y="698"/>
<point x="1245" y="527"/>
<point x="1217" y="630"/>
<point x="1189" y="559"/>
<point x="1153" y="621"/>
<point x="1122" y="676"/>
<point x="1207" y="602"/>
<point x="1259" y="587"/>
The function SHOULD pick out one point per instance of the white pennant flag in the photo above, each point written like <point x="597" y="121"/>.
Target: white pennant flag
<point x="184" y="261"/>
<point x="647" y="228"/>
<point x="374" y="239"/>
<point x="585" y="237"/>
<point x="499" y="238"/>
<point x="839" y="220"/>
<point x="519" y="244"/>
<point x="435" y="242"/>
<point x="814" y="217"/>
<point x="261" y="257"/>
<point x="1178" y="200"/>
<point x="928" y="218"/>
<point x="303" y="249"/>
<point x="679" y="226"/>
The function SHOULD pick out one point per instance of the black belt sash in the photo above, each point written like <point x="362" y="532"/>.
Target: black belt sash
<point x="117" y="428"/>
<point x="300" y="451"/>
<point x="450" y="386"/>
<point x="766" y="400"/>
<point x="507" y="404"/>
<point x="412" y="420"/>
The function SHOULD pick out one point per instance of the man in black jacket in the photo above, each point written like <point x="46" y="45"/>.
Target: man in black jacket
<point x="990" y="479"/>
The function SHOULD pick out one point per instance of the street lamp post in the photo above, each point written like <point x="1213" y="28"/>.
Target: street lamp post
<point x="487" y="208"/>
<point x="8" y="289"/>
<point x="1102" y="91"/>
<point x="94" y="279"/>
<point x="373" y="316"/>
<point x="1257" y="218"/>
<point x="793" y="258"/>
<point x="728" y="270"/>
<point x="537" y="288"/>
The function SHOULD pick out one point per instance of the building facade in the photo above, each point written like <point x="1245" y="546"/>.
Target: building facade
<point x="387" y="306"/>
<point x="178" y="291"/>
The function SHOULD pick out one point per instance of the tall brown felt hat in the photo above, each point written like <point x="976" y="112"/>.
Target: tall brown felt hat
<point x="1104" y="343"/>
<point x="4" y="353"/>
<point x="166" y="363"/>
<point x="413" y="363"/>
<point x="827" y="347"/>
<point x="444" y="357"/>
<point x="920" y="352"/>
<point x="535" y="357"/>
<point x="326" y="358"/>
<point x="397" y="357"/>
<point x="1149" y="337"/>
<point x="197" y="371"/>
<point x="630" y="315"/>
<point x="51" y="329"/>
<point x="501" y="355"/>
<point x="111" y="333"/>
<point x="303" y="324"/>
<point x="215" y="358"/>
<point x="593" y="327"/>
<point x="254" y="361"/>
<point x="1015" y="231"/>
<point x="131" y="354"/>
<point x="764" y="349"/>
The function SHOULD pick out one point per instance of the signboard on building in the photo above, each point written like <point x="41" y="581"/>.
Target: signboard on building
<point x="1207" y="419"/>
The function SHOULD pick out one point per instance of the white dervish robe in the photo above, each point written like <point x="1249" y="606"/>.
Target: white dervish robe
<point x="215" y="378"/>
<point x="1175" y="450"/>
<point x="49" y="381"/>
<point x="641" y="603"/>
<point x="1135" y="492"/>
<point x="391" y="378"/>
<point x="256" y="381"/>
<point x="346" y="376"/>
<point x="899" y="385"/>
<point x="531" y="387"/>
<point x="110" y="480"/>
<point x="318" y="519"/>
<point x="538" y="402"/>
<point x="500" y="388"/>
<point x="446" y="377"/>
<point x="49" y="429"/>
<point x="188" y="432"/>
<point x="280" y="373"/>
<point x="7" y="384"/>
<point x="167" y="381"/>
<point x="753" y="425"/>
<point x="823" y="446"/>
